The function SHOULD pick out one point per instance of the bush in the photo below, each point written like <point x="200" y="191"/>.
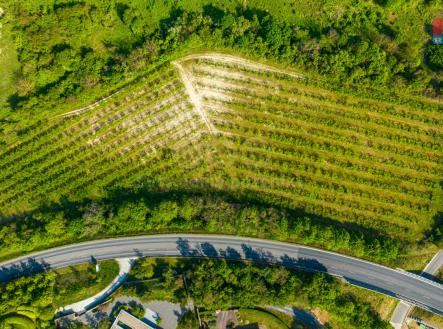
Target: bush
<point x="434" y="55"/>
<point x="188" y="321"/>
<point x="135" y="309"/>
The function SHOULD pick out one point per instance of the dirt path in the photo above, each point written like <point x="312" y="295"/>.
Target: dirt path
<point x="194" y="97"/>
<point x="197" y="96"/>
<point x="186" y="78"/>
<point x="86" y="108"/>
<point x="217" y="57"/>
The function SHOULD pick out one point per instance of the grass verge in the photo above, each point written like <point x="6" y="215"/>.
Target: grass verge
<point x="74" y="283"/>
<point x="254" y="318"/>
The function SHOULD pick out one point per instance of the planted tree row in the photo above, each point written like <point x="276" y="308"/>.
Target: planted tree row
<point x="339" y="156"/>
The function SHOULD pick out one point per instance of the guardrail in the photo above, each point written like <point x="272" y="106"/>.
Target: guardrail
<point x="421" y="278"/>
<point x="421" y="322"/>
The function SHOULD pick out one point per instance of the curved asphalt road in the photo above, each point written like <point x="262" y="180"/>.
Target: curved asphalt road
<point x="413" y="289"/>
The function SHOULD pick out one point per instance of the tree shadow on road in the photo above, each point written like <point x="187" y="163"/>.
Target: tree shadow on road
<point x="247" y="252"/>
<point x="26" y="268"/>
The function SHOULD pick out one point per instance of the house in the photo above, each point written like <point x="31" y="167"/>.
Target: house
<point x="126" y="320"/>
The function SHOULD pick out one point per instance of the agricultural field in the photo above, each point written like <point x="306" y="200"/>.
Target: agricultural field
<point x="89" y="149"/>
<point x="292" y="143"/>
<point x="256" y="131"/>
<point x="312" y="122"/>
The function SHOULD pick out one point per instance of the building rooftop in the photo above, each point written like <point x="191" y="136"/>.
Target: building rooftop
<point x="127" y="320"/>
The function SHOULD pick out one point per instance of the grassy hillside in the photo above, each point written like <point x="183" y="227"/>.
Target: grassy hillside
<point x="290" y="142"/>
<point x="75" y="283"/>
<point x="324" y="162"/>
<point x="70" y="53"/>
<point x="314" y="122"/>
<point x="86" y="150"/>
<point x="345" y="155"/>
<point x="8" y="59"/>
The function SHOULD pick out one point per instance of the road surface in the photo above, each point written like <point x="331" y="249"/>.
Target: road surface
<point x="402" y="310"/>
<point x="413" y="289"/>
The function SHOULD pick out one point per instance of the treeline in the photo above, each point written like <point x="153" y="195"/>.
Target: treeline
<point x="27" y="302"/>
<point x="148" y="213"/>
<point x="358" y="47"/>
<point x="220" y="284"/>
<point x="435" y="235"/>
<point x="212" y="284"/>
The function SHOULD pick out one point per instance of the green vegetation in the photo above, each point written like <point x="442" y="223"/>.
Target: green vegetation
<point x="16" y="321"/>
<point x="428" y="317"/>
<point x="346" y="155"/>
<point x="188" y="321"/>
<point x="303" y="146"/>
<point x="316" y="161"/>
<point x="8" y="63"/>
<point x="252" y="318"/>
<point x="157" y="279"/>
<point x="30" y="302"/>
<point x="72" y="53"/>
<point x="304" y="162"/>
<point x="219" y="284"/>
<point x="135" y="309"/>
<point x="75" y="283"/>
<point x="383" y="305"/>
<point x="288" y="320"/>
<point x="26" y="302"/>
<point x="190" y="212"/>
<point x="68" y="48"/>
<point x="212" y="284"/>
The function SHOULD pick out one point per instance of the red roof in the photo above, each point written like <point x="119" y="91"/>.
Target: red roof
<point x="437" y="26"/>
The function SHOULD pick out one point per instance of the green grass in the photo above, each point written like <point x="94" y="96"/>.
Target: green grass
<point x="8" y="61"/>
<point x="252" y="318"/>
<point x="75" y="283"/>
<point x="381" y="304"/>
<point x="281" y="140"/>
<point x="150" y="290"/>
<point x="16" y="321"/>
<point x="431" y="318"/>
<point x="304" y="146"/>
<point x="301" y="147"/>
<point x="289" y="320"/>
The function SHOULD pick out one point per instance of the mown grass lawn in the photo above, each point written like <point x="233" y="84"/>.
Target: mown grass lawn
<point x="253" y="318"/>
<point x="74" y="283"/>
